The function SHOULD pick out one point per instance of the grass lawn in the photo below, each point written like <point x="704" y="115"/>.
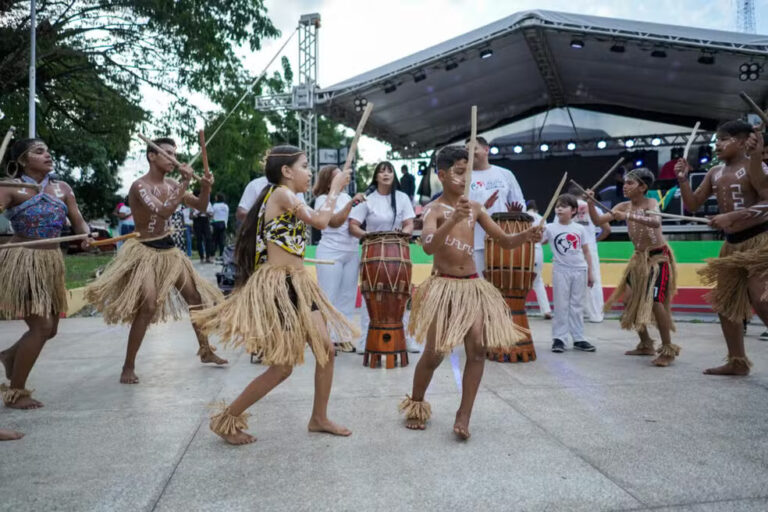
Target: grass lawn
<point x="81" y="267"/>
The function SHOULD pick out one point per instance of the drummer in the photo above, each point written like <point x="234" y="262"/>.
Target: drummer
<point x="386" y="209"/>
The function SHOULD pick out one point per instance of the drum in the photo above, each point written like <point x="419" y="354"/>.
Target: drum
<point x="385" y="282"/>
<point x="511" y="272"/>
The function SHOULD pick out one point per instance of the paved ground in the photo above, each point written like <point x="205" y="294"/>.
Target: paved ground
<point x="571" y="431"/>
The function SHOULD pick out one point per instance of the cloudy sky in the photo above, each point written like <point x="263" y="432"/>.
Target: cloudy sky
<point x="359" y="35"/>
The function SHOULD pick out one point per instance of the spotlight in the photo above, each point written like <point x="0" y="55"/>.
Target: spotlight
<point x="638" y="162"/>
<point x="451" y="65"/>
<point x="618" y="48"/>
<point x="422" y="168"/>
<point x="487" y="52"/>
<point x="705" y="154"/>
<point x="744" y="77"/>
<point x="744" y="68"/>
<point x="659" y="54"/>
<point x="390" y="88"/>
<point x="494" y="150"/>
<point x="518" y="149"/>
<point x="602" y="144"/>
<point x="544" y="148"/>
<point x="360" y="104"/>
<point x="707" y="59"/>
<point x="753" y="76"/>
<point x="571" y="146"/>
<point x="754" y="67"/>
<point x="629" y="143"/>
<point x="418" y="77"/>
<point x="656" y="141"/>
<point x="577" y="43"/>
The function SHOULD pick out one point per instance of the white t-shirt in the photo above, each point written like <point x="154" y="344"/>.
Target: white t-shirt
<point x="252" y="191"/>
<point x="485" y="183"/>
<point x="566" y="241"/>
<point x="127" y="220"/>
<point x="583" y="218"/>
<point x="376" y="212"/>
<point x="536" y="222"/>
<point x="337" y="239"/>
<point x="220" y="212"/>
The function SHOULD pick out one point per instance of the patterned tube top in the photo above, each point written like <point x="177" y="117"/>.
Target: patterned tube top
<point x="285" y="231"/>
<point x="41" y="216"/>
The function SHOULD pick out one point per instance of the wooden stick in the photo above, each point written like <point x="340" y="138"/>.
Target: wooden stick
<point x="358" y="134"/>
<point x="554" y="199"/>
<point x="164" y="153"/>
<point x="471" y="150"/>
<point x="601" y="205"/>
<point x="690" y="141"/>
<point x="46" y="241"/>
<point x="319" y="262"/>
<point x="203" y="152"/>
<point x="757" y="110"/>
<point x="6" y="141"/>
<point x="608" y="173"/>
<point x="19" y="184"/>
<point x="114" y="239"/>
<point x="700" y="220"/>
<point x="615" y="259"/>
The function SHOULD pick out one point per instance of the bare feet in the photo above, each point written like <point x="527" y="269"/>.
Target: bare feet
<point x="6" y="357"/>
<point x="461" y="427"/>
<point x="25" y="402"/>
<point x="415" y="424"/>
<point x="128" y="376"/>
<point x="10" y="435"/>
<point x="729" y="368"/>
<point x="210" y="357"/>
<point x="238" y="438"/>
<point x="327" y="426"/>
<point x="663" y="360"/>
<point x="640" y="352"/>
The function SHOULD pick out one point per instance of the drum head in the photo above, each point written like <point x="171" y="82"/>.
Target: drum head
<point x="513" y="216"/>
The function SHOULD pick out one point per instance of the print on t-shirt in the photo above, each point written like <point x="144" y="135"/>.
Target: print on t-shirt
<point x="566" y="243"/>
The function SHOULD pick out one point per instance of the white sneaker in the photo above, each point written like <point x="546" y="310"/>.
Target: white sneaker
<point x="411" y="346"/>
<point x="764" y="336"/>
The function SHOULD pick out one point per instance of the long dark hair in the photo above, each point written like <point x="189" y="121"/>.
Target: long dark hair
<point x="245" y="246"/>
<point x="395" y="186"/>
<point x="13" y="167"/>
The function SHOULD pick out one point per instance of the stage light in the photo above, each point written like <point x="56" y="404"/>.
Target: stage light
<point x="602" y="144"/>
<point x="577" y="43"/>
<point x="451" y="65"/>
<point x="418" y="77"/>
<point x="517" y="149"/>
<point x="571" y="146"/>
<point x="656" y="141"/>
<point x="618" y="48"/>
<point x="659" y="54"/>
<point x="544" y="148"/>
<point x="390" y="88"/>
<point x="705" y="154"/>
<point x="754" y="67"/>
<point x="360" y="104"/>
<point x="707" y="59"/>
<point x="744" y="68"/>
<point x="744" y="77"/>
<point x="494" y="150"/>
<point x="638" y="162"/>
<point x="629" y="143"/>
<point x="487" y="52"/>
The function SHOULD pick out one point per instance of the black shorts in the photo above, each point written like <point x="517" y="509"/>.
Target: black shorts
<point x="294" y="296"/>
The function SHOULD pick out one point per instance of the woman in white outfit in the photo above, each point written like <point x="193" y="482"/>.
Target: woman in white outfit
<point x="538" y="265"/>
<point x="338" y="281"/>
<point x="385" y="209"/>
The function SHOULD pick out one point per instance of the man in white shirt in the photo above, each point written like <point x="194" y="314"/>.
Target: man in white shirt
<point x="219" y="224"/>
<point x="251" y="194"/>
<point x="496" y="188"/>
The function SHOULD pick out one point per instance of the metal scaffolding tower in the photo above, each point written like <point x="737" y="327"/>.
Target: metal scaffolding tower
<point x="745" y="16"/>
<point x="304" y="92"/>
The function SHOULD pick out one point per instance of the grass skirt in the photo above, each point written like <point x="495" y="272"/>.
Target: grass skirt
<point x="32" y="282"/>
<point x="262" y="316"/>
<point x="454" y="305"/>
<point x="119" y="292"/>
<point x="643" y="268"/>
<point x="730" y="273"/>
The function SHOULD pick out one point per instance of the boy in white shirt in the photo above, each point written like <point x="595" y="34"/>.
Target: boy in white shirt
<point x="571" y="261"/>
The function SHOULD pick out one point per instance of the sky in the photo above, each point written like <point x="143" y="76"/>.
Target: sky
<point x="359" y="35"/>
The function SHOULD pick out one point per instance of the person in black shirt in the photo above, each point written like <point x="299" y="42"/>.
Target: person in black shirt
<point x="407" y="182"/>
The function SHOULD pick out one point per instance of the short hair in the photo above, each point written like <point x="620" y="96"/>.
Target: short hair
<point x="161" y="140"/>
<point x="677" y="153"/>
<point x="575" y="191"/>
<point x="219" y="197"/>
<point x="403" y="168"/>
<point x="735" y="128"/>
<point x="449" y="155"/>
<point x="642" y="175"/>
<point x="568" y="200"/>
<point x="531" y="205"/>
<point x="480" y="140"/>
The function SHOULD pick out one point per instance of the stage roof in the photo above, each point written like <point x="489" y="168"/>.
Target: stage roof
<point x="534" y="68"/>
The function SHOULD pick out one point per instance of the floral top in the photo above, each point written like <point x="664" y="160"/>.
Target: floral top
<point x="41" y="216"/>
<point x="286" y="231"/>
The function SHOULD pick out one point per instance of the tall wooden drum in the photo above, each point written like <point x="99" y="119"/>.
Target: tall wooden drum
<point x="511" y="272"/>
<point x="385" y="282"/>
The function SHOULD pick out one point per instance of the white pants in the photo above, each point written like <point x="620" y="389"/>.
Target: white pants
<point x="538" y="284"/>
<point x="339" y="281"/>
<point x="594" y="300"/>
<point x="479" y="257"/>
<point x="569" y="289"/>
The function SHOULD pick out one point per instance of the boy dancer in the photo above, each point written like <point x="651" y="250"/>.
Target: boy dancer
<point x="739" y="274"/>
<point x="648" y="282"/>
<point x="455" y="305"/>
<point x="151" y="280"/>
<point x="571" y="275"/>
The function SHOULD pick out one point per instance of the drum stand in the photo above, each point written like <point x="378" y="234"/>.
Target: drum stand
<point x="387" y="341"/>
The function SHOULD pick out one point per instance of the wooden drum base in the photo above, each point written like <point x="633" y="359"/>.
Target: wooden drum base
<point x="385" y="342"/>
<point x="524" y="351"/>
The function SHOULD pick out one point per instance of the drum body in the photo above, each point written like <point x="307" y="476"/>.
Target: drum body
<point x="511" y="272"/>
<point x="385" y="282"/>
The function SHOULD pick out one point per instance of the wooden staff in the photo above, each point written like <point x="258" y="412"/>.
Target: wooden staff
<point x="593" y="199"/>
<point x="554" y="199"/>
<point x="19" y="184"/>
<point x="6" y="141"/>
<point x="319" y="262"/>
<point x="608" y="173"/>
<point x="358" y="133"/>
<point x="690" y="141"/>
<point x="471" y="150"/>
<point x="114" y="239"/>
<point x="164" y="153"/>
<point x="757" y="110"/>
<point x="46" y="241"/>
<point x="700" y="220"/>
<point x="203" y="152"/>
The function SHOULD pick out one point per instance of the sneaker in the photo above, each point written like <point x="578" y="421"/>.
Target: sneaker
<point x="558" y="346"/>
<point x="411" y="346"/>
<point x="584" y="346"/>
<point x="547" y="316"/>
<point x="764" y="336"/>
